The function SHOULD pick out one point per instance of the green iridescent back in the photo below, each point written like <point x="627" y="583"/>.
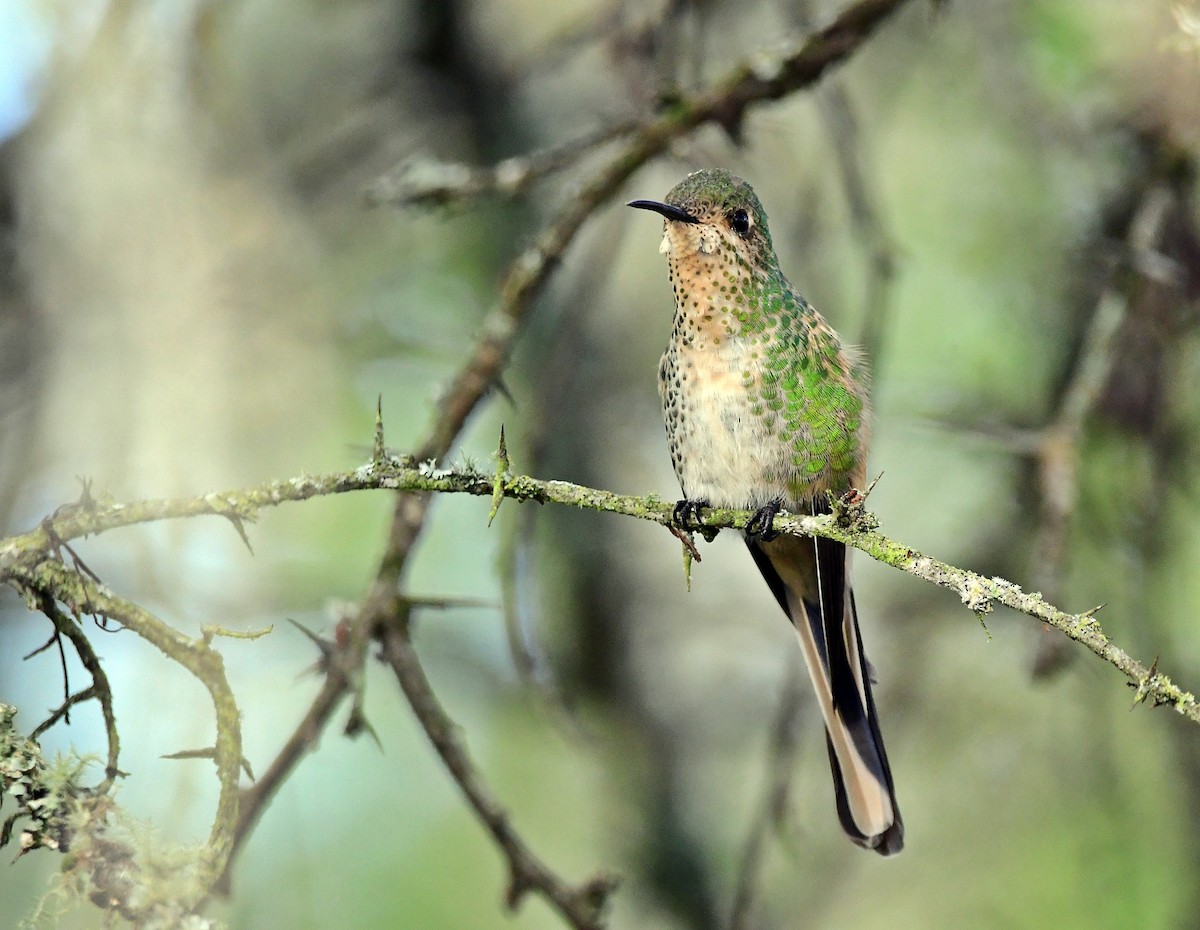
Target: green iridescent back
<point x="806" y="390"/>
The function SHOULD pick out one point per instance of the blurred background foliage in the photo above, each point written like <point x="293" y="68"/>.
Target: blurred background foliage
<point x="194" y="295"/>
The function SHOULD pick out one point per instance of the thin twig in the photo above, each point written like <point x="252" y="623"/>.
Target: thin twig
<point x="99" y="689"/>
<point x="582" y="907"/>
<point x="421" y="181"/>
<point x="63" y="711"/>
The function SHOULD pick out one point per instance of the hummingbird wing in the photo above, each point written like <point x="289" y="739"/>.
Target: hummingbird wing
<point x="809" y="578"/>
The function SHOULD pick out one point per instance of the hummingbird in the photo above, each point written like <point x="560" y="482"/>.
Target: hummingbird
<point x="766" y="409"/>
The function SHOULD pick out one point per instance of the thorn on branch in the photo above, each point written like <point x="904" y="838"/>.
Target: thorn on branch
<point x="1149" y="686"/>
<point x="503" y="467"/>
<point x="690" y="552"/>
<point x="594" y="894"/>
<point x="326" y="647"/>
<point x="378" y="450"/>
<point x="519" y="885"/>
<point x="503" y="390"/>
<point x="86" y="502"/>
<point x="224" y="508"/>
<point x="209" y="752"/>
<point x="357" y="722"/>
<point x="850" y="511"/>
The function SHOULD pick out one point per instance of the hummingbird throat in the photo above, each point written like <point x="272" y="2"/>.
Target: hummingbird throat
<point x="680" y="240"/>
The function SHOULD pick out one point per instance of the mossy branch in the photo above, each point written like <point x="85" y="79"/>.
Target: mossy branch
<point x="41" y="575"/>
<point x="27" y="561"/>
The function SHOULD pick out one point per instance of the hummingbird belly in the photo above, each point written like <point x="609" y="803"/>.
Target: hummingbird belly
<point x="733" y="449"/>
<point x="722" y="451"/>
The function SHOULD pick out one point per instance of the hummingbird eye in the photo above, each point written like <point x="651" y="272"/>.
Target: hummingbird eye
<point x="739" y="221"/>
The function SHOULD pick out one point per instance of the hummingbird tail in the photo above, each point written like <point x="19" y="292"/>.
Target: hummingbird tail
<point x="808" y="577"/>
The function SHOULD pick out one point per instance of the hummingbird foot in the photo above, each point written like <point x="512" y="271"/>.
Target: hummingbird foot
<point x="687" y="515"/>
<point x="759" y="528"/>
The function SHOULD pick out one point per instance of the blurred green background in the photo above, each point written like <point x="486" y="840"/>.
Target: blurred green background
<point x="194" y="296"/>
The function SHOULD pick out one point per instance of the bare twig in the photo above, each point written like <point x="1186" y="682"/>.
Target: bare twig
<point x="582" y="907"/>
<point x="99" y="689"/>
<point x="64" y="712"/>
<point x="427" y="182"/>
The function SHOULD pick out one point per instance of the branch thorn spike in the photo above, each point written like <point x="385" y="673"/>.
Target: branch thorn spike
<point x="378" y="451"/>
<point x="502" y="468"/>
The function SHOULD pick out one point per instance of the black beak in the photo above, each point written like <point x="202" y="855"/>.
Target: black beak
<point x="670" y="212"/>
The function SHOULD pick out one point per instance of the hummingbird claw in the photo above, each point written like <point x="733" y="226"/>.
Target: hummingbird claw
<point x="759" y="528"/>
<point x="686" y="514"/>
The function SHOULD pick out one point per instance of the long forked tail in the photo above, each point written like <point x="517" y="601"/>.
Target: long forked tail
<point x="808" y="577"/>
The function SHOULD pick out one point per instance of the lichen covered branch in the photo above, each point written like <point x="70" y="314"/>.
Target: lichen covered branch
<point x="849" y="524"/>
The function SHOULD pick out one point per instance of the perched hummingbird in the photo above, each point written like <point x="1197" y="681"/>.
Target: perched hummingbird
<point x="765" y="409"/>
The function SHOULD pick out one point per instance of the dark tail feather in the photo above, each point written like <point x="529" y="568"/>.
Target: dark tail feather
<point x="808" y="578"/>
<point x="891" y="840"/>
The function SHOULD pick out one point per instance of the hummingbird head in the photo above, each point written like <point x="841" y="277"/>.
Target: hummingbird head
<point x="714" y="218"/>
